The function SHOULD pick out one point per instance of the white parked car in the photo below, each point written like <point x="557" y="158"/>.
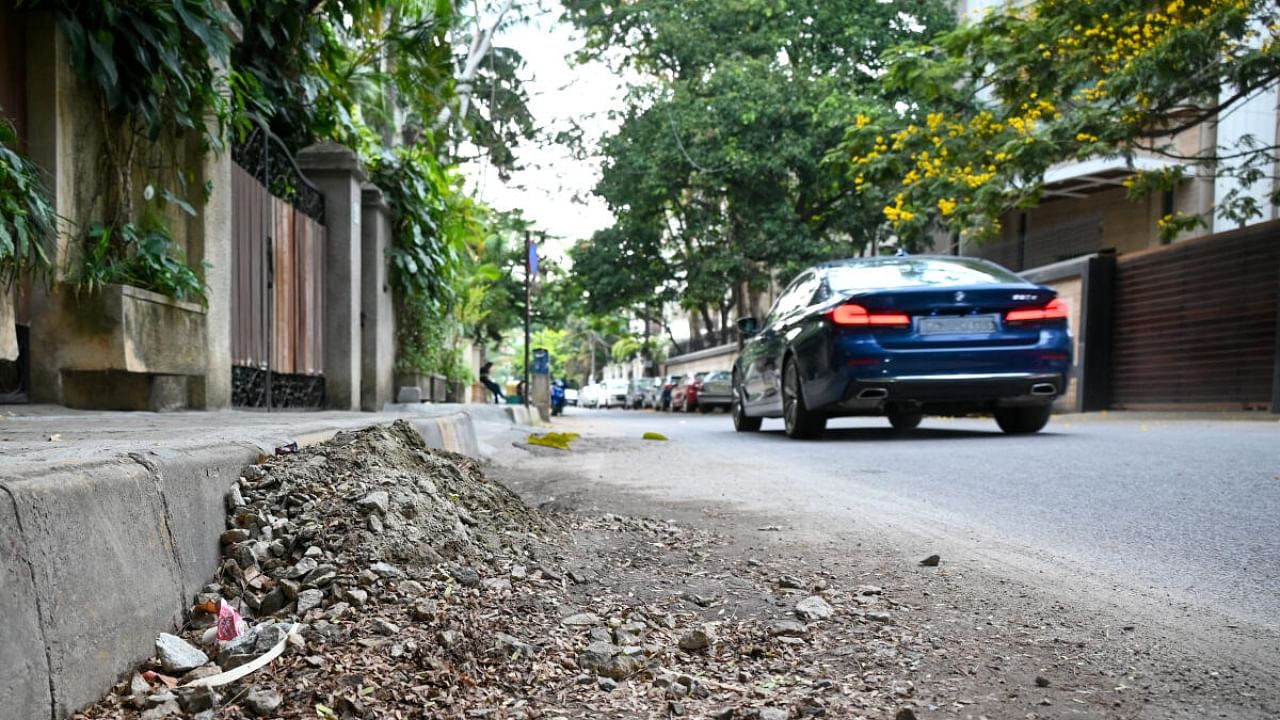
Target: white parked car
<point x="590" y="395"/>
<point x="614" y="393"/>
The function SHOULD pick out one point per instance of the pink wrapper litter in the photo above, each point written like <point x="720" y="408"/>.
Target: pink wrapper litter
<point x="230" y="624"/>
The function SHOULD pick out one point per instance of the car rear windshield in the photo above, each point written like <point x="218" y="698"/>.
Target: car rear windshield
<point x="916" y="272"/>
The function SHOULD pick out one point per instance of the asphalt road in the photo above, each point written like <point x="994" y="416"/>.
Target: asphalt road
<point x="1182" y="512"/>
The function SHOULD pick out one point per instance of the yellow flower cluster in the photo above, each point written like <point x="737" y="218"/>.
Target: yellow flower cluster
<point x="896" y="213"/>
<point x="1115" y="42"/>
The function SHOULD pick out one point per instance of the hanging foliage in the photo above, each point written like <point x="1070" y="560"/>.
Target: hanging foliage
<point x="27" y="218"/>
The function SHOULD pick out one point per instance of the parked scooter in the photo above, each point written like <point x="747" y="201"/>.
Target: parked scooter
<point x="557" y="397"/>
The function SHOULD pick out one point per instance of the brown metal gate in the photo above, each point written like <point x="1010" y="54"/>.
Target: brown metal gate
<point x="277" y="321"/>
<point x="1195" y="323"/>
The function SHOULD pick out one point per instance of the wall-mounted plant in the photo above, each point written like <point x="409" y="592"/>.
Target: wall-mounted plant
<point x="143" y="255"/>
<point x="150" y="260"/>
<point x="27" y="218"/>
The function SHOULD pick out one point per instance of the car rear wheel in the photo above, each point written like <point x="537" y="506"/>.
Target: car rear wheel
<point x="798" y="421"/>
<point x="1023" y="420"/>
<point x="741" y="421"/>
<point x="904" y="420"/>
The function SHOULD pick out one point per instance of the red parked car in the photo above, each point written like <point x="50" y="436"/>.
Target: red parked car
<point x="684" y="396"/>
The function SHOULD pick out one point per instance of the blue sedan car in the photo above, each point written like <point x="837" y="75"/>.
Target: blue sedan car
<point x="904" y="337"/>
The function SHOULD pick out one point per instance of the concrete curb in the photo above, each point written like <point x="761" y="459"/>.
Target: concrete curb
<point x="98" y="557"/>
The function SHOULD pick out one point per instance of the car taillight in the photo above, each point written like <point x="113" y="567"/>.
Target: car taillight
<point x="858" y="315"/>
<point x="1055" y="310"/>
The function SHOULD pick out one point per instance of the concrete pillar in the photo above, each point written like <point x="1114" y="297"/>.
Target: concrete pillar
<point x="338" y="173"/>
<point x="210" y="242"/>
<point x="377" y="319"/>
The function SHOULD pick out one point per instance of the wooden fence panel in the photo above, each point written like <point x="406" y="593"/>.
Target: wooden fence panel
<point x="278" y="311"/>
<point x="1195" y="323"/>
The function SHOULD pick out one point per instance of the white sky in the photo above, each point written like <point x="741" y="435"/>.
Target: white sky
<point x="554" y="190"/>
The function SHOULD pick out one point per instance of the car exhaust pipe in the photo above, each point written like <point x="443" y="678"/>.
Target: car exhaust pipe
<point x="1044" y="389"/>
<point x="873" y="394"/>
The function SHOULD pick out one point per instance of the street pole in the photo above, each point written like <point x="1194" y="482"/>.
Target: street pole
<point x="527" y="305"/>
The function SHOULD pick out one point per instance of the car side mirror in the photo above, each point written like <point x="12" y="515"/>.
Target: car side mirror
<point x="748" y="326"/>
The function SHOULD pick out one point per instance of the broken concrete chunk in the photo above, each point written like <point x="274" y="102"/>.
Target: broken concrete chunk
<point x="177" y="655"/>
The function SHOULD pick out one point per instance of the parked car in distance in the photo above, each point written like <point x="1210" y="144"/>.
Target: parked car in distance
<point x="662" y="398"/>
<point x="589" y="396"/>
<point x="684" y="396"/>
<point x="904" y="337"/>
<point x="715" y="391"/>
<point x="637" y="390"/>
<point x="571" y="396"/>
<point x="614" y="393"/>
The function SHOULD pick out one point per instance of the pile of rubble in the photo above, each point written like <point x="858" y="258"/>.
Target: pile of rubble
<point x="382" y="579"/>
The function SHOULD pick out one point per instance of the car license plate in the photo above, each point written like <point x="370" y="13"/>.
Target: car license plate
<point x="972" y="325"/>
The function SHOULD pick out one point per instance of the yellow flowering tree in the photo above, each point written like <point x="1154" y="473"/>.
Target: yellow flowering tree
<point x="999" y="100"/>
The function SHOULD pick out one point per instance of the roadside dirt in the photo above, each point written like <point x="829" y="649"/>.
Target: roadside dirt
<point x="966" y="644"/>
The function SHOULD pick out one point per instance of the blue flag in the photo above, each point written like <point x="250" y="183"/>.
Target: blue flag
<point x="533" y="258"/>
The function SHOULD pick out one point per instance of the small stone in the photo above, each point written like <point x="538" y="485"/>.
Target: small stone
<point x="313" y="552"/>
<point x="496" y="584"/>
<point x="385" y="627"/>
<point x="253" y="473"/>
<point x="199" y="673"/>
<point x="596" y="657"/>
<point x="235" y="498"/>
<point x="695" y="640"/>
<point x="357" y="598"/>
<point x="882" y="617"/>
<point x="263" y="703"/>
<point x="166" y="709"/>
<point x="585" y="619"/>
<point x="869" y="590"/>
<point x="519" y="572"/>
<point x="273" y="602"/>
<point x="321" y="576"/>
<point x="674" y="708"/>
<point x="374" y="523"/>
<point x="814" y="608"/>
<point x="309" y="599"/>
<point x="510" y="645"/>
<point x="931" y="561"/>
<point x="772" y="713"/>
<point x="622" y="666"/>
<point x="368" y="578"/>
<point x="791" y="582"/>
<point x="787" y="628"/>
<point x="290" y="588"/>
<point x="386" y="570"/>
<point x="375" y="502"/>
<point x="178" y="655"/>
<point x="411" y="587"/>
<point x="301" y="568"/>
<point x="235" y="535"/>
<point x="607" y="684"/>
<point x="1042" y="681"/>
<point x="1046" y="702"/>
<point x="197" y="699"/>
<point x="465" y="576"/>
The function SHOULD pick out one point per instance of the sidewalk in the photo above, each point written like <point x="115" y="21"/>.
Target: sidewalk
<point x="110" y="524"/>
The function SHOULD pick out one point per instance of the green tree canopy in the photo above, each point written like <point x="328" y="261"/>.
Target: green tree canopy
<point x="1000" y="100"/>
<point x="716" y="175"/>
